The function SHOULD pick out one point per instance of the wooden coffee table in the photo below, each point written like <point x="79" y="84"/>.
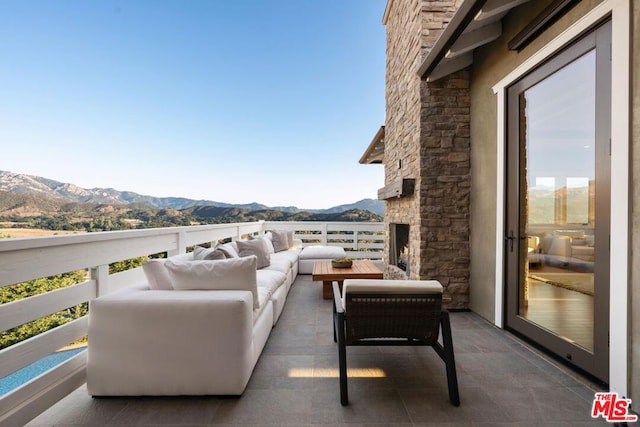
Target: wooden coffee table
<point x="361" y="269"/>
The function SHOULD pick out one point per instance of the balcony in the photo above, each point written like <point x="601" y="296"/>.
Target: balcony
<point x="502" y="380"/>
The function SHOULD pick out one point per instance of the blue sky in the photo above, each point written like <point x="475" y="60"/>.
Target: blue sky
<point x="270" y="101"/>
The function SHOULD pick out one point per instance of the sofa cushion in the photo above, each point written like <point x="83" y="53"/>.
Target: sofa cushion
<point x="280" y="240"/>
<point x="291" y="256"/>
<point x="279" y="264"/>
<point x="254" y="247"/>
<point x="229" y="274"/>
<point x="264" y="295"/>
<point x="270" y="279"/>
<point x="157" y="274"/>
<point x="204" y="254"/>
<point x="322" y="252"/>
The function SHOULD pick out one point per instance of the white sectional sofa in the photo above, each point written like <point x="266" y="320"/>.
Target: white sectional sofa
<point x="197" y="327"/>
<point x="563" y="248"/>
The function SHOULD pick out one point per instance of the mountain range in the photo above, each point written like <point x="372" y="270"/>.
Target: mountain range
<point x="30" y="185"/>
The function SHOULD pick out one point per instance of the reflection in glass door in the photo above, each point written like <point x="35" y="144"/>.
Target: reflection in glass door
<point x="557" y="266"/>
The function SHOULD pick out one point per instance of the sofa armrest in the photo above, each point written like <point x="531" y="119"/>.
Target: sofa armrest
<point x="145" y="342"/>
<point x="296" y="244"/>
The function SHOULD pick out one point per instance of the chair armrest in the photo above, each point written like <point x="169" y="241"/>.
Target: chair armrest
<point x="337" y="299"/>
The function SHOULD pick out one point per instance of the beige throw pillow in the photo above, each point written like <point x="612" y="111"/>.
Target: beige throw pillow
<point x="254" y="247"/>
<point x="280" y="240"/>
<point x="268" y="245"/>
<point x="204" y="254"/>
<point x="229" y="250"/>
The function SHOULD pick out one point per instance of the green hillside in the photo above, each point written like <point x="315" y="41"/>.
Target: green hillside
<point x="35" y="211"/>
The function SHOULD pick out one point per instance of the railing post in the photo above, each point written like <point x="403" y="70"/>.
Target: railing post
<point x="356" y="247"/>
<point x="323" y="238"/>
<point x="181" y="246"/>
<point x="101" y="275"/>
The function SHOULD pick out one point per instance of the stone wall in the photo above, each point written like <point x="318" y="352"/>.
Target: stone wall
<point x="427" y="139"/>
<point x="446" y="184"/>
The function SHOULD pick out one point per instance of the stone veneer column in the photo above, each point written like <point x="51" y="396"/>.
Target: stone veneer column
<point x="445" y="185"/>
<point x="427" y="139"/>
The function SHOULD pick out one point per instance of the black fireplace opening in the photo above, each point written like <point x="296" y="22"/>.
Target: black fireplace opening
<point x="399" y="239"/>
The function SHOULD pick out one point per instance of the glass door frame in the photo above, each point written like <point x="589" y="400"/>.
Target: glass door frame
<point x="596" y="362"/>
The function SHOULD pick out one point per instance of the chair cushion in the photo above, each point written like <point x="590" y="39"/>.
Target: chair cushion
<point x="229" y="274"/>
<point x="391" y="286"/>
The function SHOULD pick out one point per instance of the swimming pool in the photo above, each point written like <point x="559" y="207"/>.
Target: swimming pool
<point x="31" y="371"/>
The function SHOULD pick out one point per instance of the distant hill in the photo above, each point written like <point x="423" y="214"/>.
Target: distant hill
<point x="243" y="214"/>
<point x="39" y="211"/>
<point x="53" y="190"/>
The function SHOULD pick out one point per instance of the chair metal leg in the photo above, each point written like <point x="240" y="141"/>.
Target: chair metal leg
<point x="342" y="359"/>
<point x="449" y="360"/>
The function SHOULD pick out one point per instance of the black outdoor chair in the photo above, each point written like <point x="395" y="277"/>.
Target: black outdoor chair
<point x="393" y="313"/>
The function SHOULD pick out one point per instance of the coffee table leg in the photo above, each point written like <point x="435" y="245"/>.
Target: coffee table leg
<point x="327" y="288"/>
<point x="327" y="292"/>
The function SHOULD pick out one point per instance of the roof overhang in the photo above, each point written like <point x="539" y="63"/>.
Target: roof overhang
<point x="476" y="23"/>
<point x="375" y="151"/>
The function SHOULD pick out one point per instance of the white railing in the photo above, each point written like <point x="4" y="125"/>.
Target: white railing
<point x="359" y="239"/>
<point x="26" y="259"/>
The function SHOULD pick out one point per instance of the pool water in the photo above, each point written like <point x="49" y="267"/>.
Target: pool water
<point x="21" y="376"/>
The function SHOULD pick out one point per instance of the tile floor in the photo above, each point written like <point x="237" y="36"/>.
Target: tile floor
<point x="503" y="382"/>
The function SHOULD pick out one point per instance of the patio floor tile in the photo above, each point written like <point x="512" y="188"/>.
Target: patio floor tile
<point x="503" y="382"/>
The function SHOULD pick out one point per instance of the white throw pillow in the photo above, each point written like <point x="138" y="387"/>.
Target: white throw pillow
<point x="229" y="275"/>
<point x="157" y="275"/>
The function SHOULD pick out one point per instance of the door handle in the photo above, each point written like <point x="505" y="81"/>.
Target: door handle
<point x="510" y="238"/>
